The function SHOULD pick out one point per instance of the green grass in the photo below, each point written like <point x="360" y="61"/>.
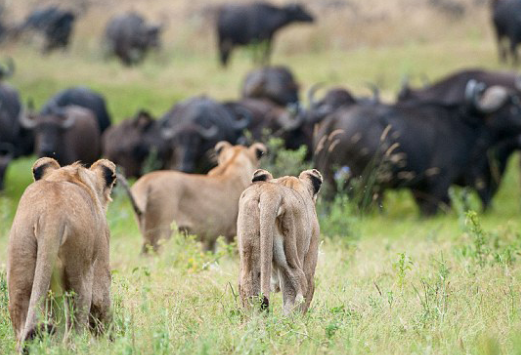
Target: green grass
<point x="387" y="283"/>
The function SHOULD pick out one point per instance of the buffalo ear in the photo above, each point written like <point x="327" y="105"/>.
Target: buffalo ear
<point x="106" y="171"/>
<point x="220" y="146"/>
<point x="261" y="175"/>
<point x="315" y="180"/>
<point x="43" y="166"/>
<point x="143" y="120"/>
<point x="259" y="149"/>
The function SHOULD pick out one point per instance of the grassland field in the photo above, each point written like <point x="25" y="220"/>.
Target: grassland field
<point x="388" y="282"/>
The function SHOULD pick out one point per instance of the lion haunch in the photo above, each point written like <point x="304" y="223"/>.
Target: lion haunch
<point x="59" y="240"/>
<point x="278" y="235"/>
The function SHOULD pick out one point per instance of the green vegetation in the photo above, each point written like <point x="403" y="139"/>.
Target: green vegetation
<point x="388" y="282"/>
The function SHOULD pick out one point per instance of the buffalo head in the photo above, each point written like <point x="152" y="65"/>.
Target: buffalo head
<point x="132" y="142"/>
<point x="194" y="127"/>
<point x="275" y="83"/>
<point x="297" y="13"/>
<point x="500" y="107"/>
<point x="48" y="129"/>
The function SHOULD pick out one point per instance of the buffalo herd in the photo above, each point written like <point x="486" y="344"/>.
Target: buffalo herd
<point x="460" y="130"/>
<point x="129" y="37"/>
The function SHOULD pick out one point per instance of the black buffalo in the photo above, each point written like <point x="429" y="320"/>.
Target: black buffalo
<point x="425" y="147"/>
<point x="83" y="97"/>
<point x="450" y="90"/>
<point x="271" y="120"/>
<point x="67" y="134"/>
<point x="239" y="25"/>
<point x="53" y="23"/>
<point x="334" y="99"/>
<point x="10" y="108"/>
<point x="507" y="26"/>
<point x="15" y="141"/>
<point x="135" y="142"/>
<point x="293" y="125"/>
<point x="275" y="83"/>
<point x="194" y="127"/>
<point x="129" y="37"/>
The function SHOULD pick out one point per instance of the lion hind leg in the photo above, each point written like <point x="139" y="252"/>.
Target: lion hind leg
<point x="156" y="227"/>
<point x="81" y="282"/>
<point x="20" y="285"/>
<point x="249" y="242"/>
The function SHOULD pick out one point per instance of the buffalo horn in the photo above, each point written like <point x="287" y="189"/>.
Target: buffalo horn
<point x="290" y="122"/>
<point x="168" y="133"/>
<point x="245" y="121"/>
<point x="311" y="94"/>
<point x="26" y="121"/>
<point x="492" y="99"/>
<point x="375" y="91"/>
<point x="69" y="121"/>
<point x="208" y="133"/>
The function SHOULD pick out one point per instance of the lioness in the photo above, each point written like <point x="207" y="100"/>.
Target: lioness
<point x="278" y="235"/>
<point x="59" y="240"/>
<point x="205" y="205"/>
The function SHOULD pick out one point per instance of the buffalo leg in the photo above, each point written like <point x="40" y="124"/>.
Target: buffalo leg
<point x="430" y="202"/>
<point x="513" y="52"/>
<point x="225" y="49"/>
<point x="266" y="52"/>
<point x="502" y="50"/>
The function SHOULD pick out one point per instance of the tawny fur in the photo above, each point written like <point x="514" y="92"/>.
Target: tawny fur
<point x="204" y="205"/>
<point x="278" y="235"/>
<point x="60" y="232"/>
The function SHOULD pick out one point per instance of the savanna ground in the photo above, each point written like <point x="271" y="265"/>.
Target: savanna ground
<point x="387" y="283"/>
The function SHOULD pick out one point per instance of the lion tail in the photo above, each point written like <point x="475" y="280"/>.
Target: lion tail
<point x="50" y="237"/>
<point x="268" y="216"/>
<point x="121" y="178"/>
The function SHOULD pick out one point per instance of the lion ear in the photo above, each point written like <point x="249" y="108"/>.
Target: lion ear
<point x="259" y="149"/>
<point x="43" y="166"/>
<point x="315" y="180"/>
<point x="261" y="175"/>
<point x="106" y="171"/>
<point x="219" y="147"/>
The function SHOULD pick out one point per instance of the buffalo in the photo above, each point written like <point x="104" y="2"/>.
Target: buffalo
<point x="194" y="127"/>
<point x="505" y="18"/>
<point x="132" y="142"/>
<point x="67" y="134"/>
<point x="53" y="23"/>
<point x="256" y="23"/>
<point x="451" y="91"/>
<point x="6" y="155"/>
<point x="82" y="97"/>
<point x="425" y="147"/>
<point x="334" y="99"/>
<point x="129" y="37"/>
<point x="275" y="83"/>
<point x="271" y="120"/>
<point x="293" y="125"/>
<point x="15" y="141"/>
